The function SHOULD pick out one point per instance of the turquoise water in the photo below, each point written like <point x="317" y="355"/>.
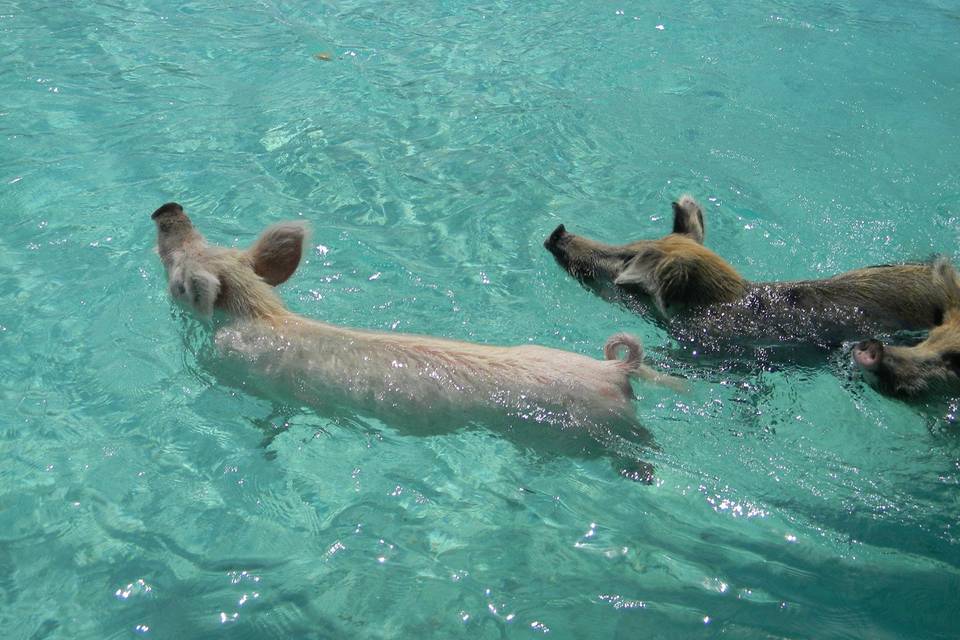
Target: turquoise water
<point x="432" y="153"/>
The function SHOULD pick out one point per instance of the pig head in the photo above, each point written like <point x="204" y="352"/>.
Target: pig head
<point x="675" y="271"/>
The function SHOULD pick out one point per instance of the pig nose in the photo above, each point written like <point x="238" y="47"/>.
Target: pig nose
<point x="868" y="353"/>
<point x="553" y="242"/>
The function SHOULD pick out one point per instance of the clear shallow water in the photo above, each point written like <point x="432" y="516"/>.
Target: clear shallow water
<point x="432" y="154"/>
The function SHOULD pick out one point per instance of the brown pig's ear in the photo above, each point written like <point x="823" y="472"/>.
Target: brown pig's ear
<point x="641" y="270"/>
<point x="945" y="271"/>
<point x="277" y="251"/>
<point x="688" y="219"/>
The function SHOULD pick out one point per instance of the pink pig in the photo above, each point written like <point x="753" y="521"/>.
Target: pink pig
<point x="410" y="377"/>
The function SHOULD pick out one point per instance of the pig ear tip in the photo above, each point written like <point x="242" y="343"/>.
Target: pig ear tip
<point x="169" y="207"/>
<point x="555" y="236"/>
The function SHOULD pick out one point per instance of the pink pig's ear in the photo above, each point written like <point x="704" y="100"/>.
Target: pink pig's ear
<point x="277" y="251"/>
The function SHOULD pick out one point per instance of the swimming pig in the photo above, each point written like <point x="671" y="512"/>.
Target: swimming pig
<point x="703" y="299"/>
<point x="411" y="378"/>
<point x="931" y="365"/>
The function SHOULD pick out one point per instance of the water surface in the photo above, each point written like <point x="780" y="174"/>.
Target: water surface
<point x="432" y="153"/>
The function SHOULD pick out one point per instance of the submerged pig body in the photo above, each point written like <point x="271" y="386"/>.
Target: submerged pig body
<point x="416" y="378"/>
<point x="883" y="299"/>
<point x="702" y="299"/>
<point x="422" y="380"/>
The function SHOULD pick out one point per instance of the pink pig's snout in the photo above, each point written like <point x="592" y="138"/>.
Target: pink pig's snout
<point x="868" y="354"/>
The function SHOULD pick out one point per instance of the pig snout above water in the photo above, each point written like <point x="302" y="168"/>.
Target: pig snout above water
<point x="932" y="365"/>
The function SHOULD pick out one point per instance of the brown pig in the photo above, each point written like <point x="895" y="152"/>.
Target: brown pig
<point x="930" y="366"/>
<point x="703" y="299"/>
<point x="410" y="378"/>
